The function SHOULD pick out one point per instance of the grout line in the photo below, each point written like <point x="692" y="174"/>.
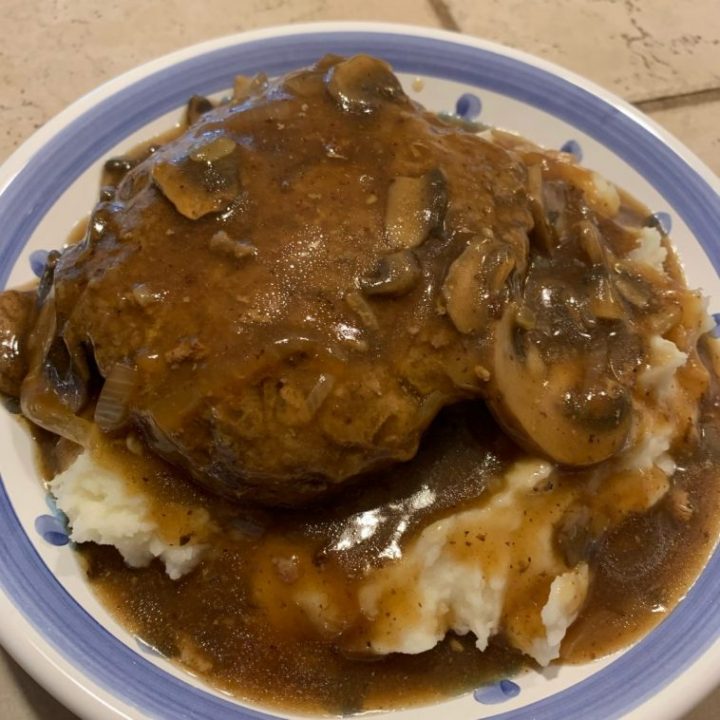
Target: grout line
<point x="443" y="14"/>
<point x="669" y="102"/>
<point x="662" y="102"/>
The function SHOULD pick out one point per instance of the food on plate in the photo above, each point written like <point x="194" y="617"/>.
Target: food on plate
<point x="351" y="407"/>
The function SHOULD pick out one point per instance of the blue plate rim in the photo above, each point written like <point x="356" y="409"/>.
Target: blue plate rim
<point x="698" y="199"/>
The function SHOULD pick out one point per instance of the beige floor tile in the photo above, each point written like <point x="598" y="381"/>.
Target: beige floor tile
<point x="637" y="48"/>
<point x="21" y="698"/>
<point x="697" y="126"/>
<point x="706" y="710"/>
<point x="53" y="52"/>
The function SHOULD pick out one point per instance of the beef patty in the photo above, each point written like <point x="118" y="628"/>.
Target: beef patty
<point x="284" y="296"/>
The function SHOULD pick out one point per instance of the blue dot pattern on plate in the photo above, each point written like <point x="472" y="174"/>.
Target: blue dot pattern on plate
<point x="55" y="527"/>
<point x="663" y="221"/>
<point x="52" y="530"/>
<point x="468" y="106"/>
<point x="716" y="330"/>
<point x="57" y="512"/>
<point x="497" y="693"/>
<point x="38" y="261"/>
<point x="53" y="508"/>
<point x="573" y="147"/>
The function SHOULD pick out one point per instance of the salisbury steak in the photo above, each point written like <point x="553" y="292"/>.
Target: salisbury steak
<point x="284" y="296"/>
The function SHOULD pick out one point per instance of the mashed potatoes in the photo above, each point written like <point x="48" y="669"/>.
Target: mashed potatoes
<point x="103" y="508"/>
<point x="460" y="569"/>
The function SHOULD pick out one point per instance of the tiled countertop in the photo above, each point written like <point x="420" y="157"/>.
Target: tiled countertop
<point x="662" y="55"/>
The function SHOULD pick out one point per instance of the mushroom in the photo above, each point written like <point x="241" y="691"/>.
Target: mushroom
<point x="476" y="281"/>
<point x="632" y="287"/>
<point x="245" y="87"/>
<point x="119" y="166"/>
<point x="362" y="83"/>
<point x="395" y="274"/>
<point x="202" y="179"/>
<point x="555" y="409"/>
<point x="197" y="106"/>
<point x="415" y="208"/>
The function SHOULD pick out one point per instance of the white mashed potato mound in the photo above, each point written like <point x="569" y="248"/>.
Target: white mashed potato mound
<point x="466" y="591"/>
<point x="658" y="380"/>
<point x="101" y="509"/>
<point x="663" y="361"/>
<point x="450" y="595"/>
<point x="602" y="194"/>
<point x="650" y="249"/>
<point x="567" y="595"/>
<point x="651" y="449"/>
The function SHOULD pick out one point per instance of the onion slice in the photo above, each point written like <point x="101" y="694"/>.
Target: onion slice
<point x="113" y="405"/>
<point x="43" y="408"/>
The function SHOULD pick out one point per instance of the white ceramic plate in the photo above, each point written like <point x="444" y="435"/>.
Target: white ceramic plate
<point x="51" y="622"/>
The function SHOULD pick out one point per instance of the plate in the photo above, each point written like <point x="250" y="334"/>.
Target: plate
<point x="52" y="623"/>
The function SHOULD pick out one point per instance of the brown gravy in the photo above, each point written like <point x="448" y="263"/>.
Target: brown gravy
<point x="208" y="621"/>
<point x="238" y="648"/>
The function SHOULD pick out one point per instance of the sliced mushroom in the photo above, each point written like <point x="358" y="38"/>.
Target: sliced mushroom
<point x="362" y="83"/>
<point x="201" y="180"/>
<point x="600" y="195"/>
<point x="563" y="205"/>
<point x="212" y="150"/>
<point x="395" y="274"/>
<point x="475" y="283"/>
<point x="245" y="86"/>
<point x="415" y="208"/>
<point x="119" y="166"/>
<point x="626" y="353"/>
<point x="551" y="410"/>
<point x="197" y="106"/>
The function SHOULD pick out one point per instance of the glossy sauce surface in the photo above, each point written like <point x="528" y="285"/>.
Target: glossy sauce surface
<point x="211" y="622"/>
